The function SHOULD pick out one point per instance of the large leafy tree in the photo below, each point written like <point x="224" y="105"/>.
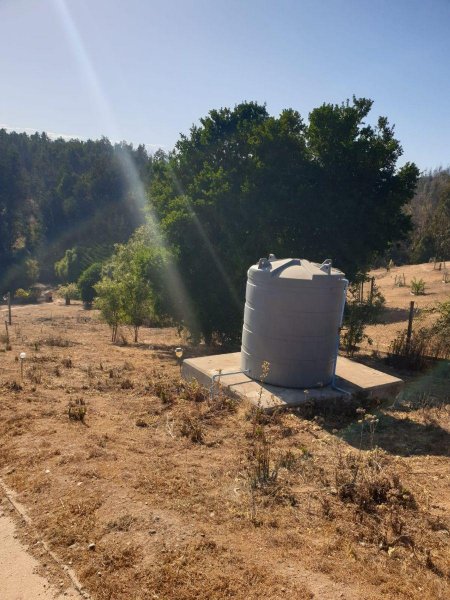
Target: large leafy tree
<point x="243" y="184"/>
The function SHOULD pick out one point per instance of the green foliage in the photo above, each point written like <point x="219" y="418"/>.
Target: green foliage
<point x="417" y="287"/>
<point x="427" y="343"/>
<point x="128" y="266"/>
<point x="244" y="184"/>
<point x="87" y="281"/>
<point x="76" y="260"/>
<point x="58" y="194"/>
<point x="69" y="292"/>
<point x="440" y="331"/>
<point x="132" y="291"/>
<point x="32" y="269"/>
<point x="29" y="296"/>
<point x="358" y="313"/>
<point x="67" y="269"/>
<point x="410" y="354"/>
<point x="110" y="303"/>
<point x="430" y="210"/>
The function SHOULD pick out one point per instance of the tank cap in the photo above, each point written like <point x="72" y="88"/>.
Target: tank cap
<point x="264" y="263"/>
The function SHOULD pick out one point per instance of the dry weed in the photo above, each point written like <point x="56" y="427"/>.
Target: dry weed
<point x="77" y="410"/>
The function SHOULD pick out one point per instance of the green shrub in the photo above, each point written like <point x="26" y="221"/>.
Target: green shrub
<point x="358" y="313"/>
<point x="68" y="292"/>
<point x="87" y="281"/>
<point x="410" y="354"/>
<point x="28" y="296"/>
<point x="417" y="287"/>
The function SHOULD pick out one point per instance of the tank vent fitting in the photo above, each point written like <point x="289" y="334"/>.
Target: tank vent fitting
<point x="326" y="266"/>
<point x="264" y="263"/>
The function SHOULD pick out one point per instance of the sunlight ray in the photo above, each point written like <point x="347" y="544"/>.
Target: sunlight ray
<point x="128" y="168"/>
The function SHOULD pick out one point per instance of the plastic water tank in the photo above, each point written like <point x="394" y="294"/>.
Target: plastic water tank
<point x="293" y="312"/>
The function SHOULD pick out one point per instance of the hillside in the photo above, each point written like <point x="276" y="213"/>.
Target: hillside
<point x="395" y="316"/>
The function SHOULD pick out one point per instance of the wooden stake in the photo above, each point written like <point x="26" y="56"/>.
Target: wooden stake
<point x="410" y="322"/>
<point x="9" y="308"/>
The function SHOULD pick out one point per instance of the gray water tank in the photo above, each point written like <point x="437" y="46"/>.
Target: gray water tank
<point x="293" y="312"/>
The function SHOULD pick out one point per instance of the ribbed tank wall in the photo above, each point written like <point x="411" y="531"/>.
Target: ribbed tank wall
<point x="293" y="312"/>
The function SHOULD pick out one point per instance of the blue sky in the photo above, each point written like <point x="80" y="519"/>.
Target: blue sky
<point x="145" y="70"/>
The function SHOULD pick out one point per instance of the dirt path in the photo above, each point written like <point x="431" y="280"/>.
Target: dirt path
<point x="18" y="570"/>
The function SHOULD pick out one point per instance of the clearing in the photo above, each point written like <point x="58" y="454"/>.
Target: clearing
<point x="395" y="317"/>
<point x="158" y="492"/>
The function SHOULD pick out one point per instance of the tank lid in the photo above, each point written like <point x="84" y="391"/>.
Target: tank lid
<point x="296" y="268"/>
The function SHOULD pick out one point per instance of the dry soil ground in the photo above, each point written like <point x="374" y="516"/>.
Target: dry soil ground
<point x="163" y="494"/>
<point x="395" y="317"/>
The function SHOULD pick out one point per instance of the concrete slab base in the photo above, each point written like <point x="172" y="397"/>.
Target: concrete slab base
<point x="351" y="377"/>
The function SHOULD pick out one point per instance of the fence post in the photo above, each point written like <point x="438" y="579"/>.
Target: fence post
<point x="9" y="308"/>
<point x="7" y="334"/>
<point x="410" y="322"/>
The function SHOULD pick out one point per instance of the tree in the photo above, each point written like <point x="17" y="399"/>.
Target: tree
<point x="67" y="268"/>
<point x="128" y="267"/>
<point x="109" y="302"/>
<point x="131" y="292"/>
<point x="431" y="238"/>
<point x="244" y="184"/>
<point x="54" y="195"/>
<point x="69" y="292"/>
<point x="87" y="281"/>
<point x="12" y="222"/>
<point x="440" y="226"/>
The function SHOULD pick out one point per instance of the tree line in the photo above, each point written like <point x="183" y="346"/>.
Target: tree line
<point x="240" y="185"/>
<point x="57" y="195"/>
<point x="430" y="212"/>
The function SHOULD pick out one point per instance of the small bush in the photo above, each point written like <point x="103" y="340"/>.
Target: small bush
<point x="409" y="354"/>
<point x="29" y="296"/>
<point x="13" y="386"/>
<point x="287" y="460"/>
<point x="358" y="313"/>
<point x="34" y="374"/>
<point x="126" y="384"/>
<point x="363" y="481"/>
<point x="56" y="340"/>
<point x="417" y="287"/>
<point x="191" y="428"/>
<point x="193" y="391"/>
<point x="77" y="410"/>
<point x="88" y="279"/>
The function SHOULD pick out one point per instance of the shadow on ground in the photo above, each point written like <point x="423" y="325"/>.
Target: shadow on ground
<point x="394" y="315"/>
<point x="400" y="436"/>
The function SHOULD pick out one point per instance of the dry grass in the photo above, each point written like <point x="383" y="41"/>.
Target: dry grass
<point x="395" y="317"/>
<point x="187" y="496"/>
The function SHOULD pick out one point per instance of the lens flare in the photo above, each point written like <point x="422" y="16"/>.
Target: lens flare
<point x="210" y="248"/>
<point x="129" y="171"/>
